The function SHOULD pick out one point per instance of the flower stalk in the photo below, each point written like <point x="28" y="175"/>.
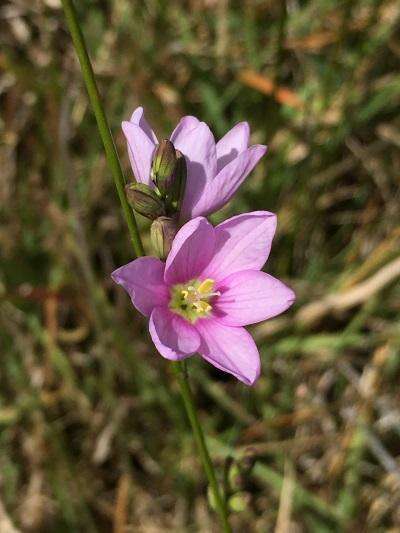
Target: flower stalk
<point x="115" y="167"/>
<point x="219" y="500"/>
<point x="102" y="124"/>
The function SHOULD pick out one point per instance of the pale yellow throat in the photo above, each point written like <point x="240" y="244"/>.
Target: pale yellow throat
<point x="193" y="300"/>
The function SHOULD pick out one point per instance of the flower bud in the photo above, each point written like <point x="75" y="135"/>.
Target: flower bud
<point x="235" y="477"/>
<point x="162" y="233"/>
<point x="239" y="502"/>
<point x="163" y="166"/>
<point x="144" y="200"/>
<point x="175" y="197"/>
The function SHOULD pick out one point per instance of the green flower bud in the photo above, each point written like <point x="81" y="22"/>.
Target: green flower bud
<point x="162" y="233"/>
<point x="175" y="197"/>
<point x="145" y="200"/>
<point x="163" y="166"/>
<point x="239" y="502"/>
<point x="234" y="477"/>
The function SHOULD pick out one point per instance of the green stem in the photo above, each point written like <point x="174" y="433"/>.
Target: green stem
<point x="102" y="124"/>
<point x="188" y="400"/>
<point x="114" y="164"/>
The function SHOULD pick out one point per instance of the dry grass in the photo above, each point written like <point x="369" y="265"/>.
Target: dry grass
<point x="93" y="434"/>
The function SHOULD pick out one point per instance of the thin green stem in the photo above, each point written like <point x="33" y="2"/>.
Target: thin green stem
<point x="188" y="400"/>
<point x="114" y="164"/>
<point x="102" y="124"/>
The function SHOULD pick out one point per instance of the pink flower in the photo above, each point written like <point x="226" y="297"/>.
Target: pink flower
<point x="208" y="289"/>
<point x="215" y="170"/>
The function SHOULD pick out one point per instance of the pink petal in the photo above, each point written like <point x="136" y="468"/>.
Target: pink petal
<point x="198" y="146"/>
<point x="251" y="296"/>
<point x="230" y="349"/>
<point x="143" y="280"/>
<point x="185" y="125"/>
<point x="242" y="243"/>
<point x="191" y="251"/>
<point x="138" y="119"/>
<point x="174" y="337"/>
<point x="140" y="148"/>
<point x="232" y="144"/>
<point x="221" y="189"/>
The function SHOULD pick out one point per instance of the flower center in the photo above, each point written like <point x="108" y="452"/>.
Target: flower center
<point x="193" y="300"/>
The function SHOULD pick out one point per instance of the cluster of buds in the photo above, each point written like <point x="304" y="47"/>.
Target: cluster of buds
<point x="162" y="202"/>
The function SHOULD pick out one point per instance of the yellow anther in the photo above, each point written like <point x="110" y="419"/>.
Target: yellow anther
<point x="206" y="286"/>
<point x="190" y="294"/>
<point x="202" y="307"/>
<point x="195" y="300"/>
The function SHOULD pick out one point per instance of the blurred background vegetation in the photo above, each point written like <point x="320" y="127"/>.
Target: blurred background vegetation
<point x="93" y="435"/>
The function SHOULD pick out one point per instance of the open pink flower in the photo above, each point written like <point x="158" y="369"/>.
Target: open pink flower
<point x="215" y="170"/>
<point x="208" y="289"/>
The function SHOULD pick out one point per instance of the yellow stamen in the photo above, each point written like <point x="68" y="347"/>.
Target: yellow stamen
<point x="202" y="307"/>
<point x="195" y="300"/>
<point x="206" y="286"/>
<point x="190" y="294"/>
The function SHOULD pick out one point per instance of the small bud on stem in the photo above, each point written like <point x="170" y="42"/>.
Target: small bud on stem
<point x="163" y="166"/>
<point x="162" y="232"/>
<point x="145" y="200"/>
